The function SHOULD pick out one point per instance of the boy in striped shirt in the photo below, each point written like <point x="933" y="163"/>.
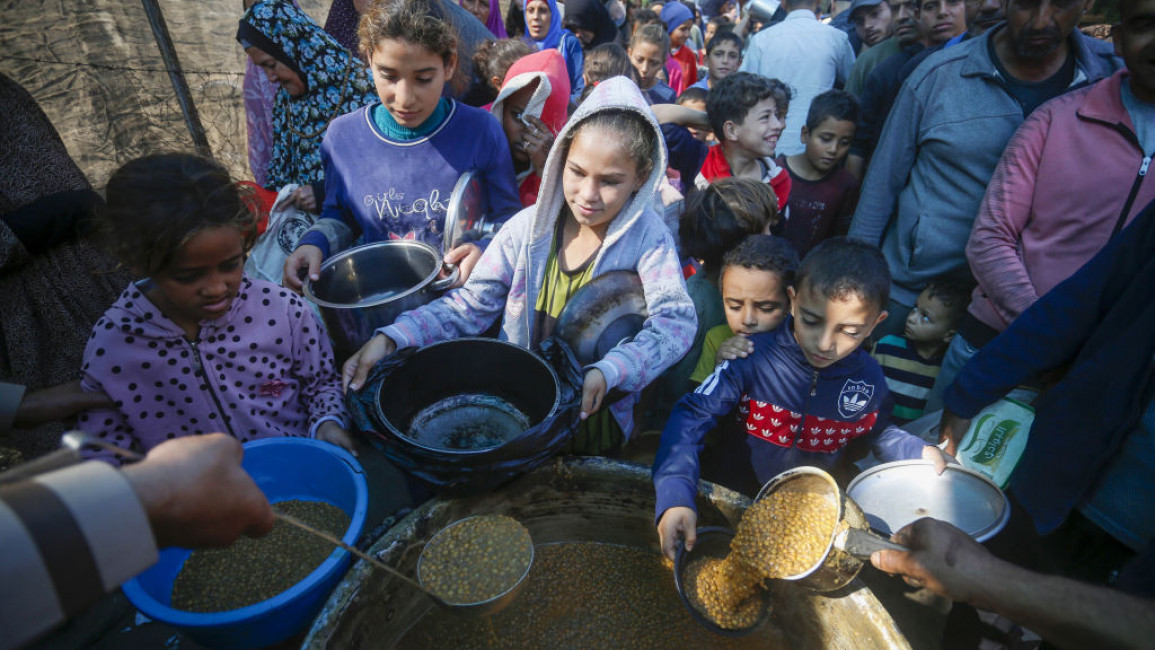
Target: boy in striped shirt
<point x="911" y="362"/>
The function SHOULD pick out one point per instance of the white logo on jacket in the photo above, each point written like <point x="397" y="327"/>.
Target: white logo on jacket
<point x="854" y="397"/>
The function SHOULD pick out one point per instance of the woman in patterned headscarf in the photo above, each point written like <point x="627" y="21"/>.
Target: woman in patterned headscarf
<point x="319" y="80"/>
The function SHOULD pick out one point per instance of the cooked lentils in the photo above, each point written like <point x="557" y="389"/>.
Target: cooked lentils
<point x="582" y="595"/>
<point x="782" y="535"/>
<point x="252" y="570"/>
<point x="476" y="560"/>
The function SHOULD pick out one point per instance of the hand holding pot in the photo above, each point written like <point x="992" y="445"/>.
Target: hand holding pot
<point x="306" y="259"/>
<point x="675" y="522"/>
<point x="938" y="457"/>
<point x="951" y="430"/>
<point x="335" y="434"/>
<point x="357" y="368"/>
<point x="465" y="257"/>
<point x="941" y="558"/>
<point x="593" y="392"/>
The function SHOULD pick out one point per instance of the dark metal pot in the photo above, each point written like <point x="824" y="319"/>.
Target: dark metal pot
<point x="467" y="396"/>
<point x="367" y="287"/>
<point x="470" y="414"/>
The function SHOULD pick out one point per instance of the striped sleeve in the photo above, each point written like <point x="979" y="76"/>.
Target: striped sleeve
<point x="70" y="536"/>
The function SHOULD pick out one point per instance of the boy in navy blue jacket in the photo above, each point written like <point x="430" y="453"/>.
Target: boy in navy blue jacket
<point x="805" y="392"/>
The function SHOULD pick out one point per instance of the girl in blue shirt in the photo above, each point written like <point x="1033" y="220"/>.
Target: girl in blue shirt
<point x="390" y="167"/>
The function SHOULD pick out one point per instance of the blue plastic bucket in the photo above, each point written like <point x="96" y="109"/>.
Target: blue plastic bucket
<point x="284" y="469"/>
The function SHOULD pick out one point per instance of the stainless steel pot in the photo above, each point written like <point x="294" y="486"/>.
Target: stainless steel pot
<point x="841" y="562"/>
<point x="367" y="287"/>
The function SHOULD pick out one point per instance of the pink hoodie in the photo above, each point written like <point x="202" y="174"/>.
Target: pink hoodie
<point x="264" y="369"/>
<point x="550" y="102"/>
<point x="1071" y="177"/>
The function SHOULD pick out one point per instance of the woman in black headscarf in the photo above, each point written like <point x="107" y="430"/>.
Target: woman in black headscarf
<point x="590" y="22"/>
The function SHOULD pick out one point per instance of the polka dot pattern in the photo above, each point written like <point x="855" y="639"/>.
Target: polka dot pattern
<point x="262" y="370"/>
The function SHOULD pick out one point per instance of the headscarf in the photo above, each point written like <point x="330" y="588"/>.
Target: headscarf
<point x="336" y="82"/>
<point x="549" y="103"/>
<point x="493" y="21"/>
<point x="554" y="35"/>
<point x="674" y="13"/>
<point x="342" y="22"/>
<point x="591" y="15"/>
<point x="711" y="8"/>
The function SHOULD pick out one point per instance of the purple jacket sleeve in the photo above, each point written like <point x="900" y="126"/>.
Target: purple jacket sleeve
<point x="677" y="467"/>
<point x="500" y="179"/>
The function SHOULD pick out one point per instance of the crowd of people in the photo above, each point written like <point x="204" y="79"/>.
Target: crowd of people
<point x="841" y="224"/>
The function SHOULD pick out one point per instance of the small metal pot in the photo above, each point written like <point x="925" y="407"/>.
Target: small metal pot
<point x="367" y="287"/>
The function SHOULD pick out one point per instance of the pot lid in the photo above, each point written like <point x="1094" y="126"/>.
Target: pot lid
<point x="466" y="208"/>
<point x="895" y="494"/>
<point x="609" y="309"/>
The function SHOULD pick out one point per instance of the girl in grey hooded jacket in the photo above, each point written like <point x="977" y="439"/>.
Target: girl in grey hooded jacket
<point x="509" y="278"/>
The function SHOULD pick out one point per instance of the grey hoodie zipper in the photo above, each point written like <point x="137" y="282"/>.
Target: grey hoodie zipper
<point x="199" y="368"/>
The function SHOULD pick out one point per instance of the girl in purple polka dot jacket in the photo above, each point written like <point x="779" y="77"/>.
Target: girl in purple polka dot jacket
<point x="196" y="346"/>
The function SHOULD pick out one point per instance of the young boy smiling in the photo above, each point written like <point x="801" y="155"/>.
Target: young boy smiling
<point x="822" y="193"/>
<point x="802" y="395"/>
<point x="747" y="113"/>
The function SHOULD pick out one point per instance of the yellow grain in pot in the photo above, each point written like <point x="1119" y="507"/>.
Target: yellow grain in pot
<point x="786" y="533"/>
<point x="726" y="591"/>
<point x="476" y="560"/>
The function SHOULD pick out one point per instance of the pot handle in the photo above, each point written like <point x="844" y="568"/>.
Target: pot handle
<point x="861" y="543"/>
<point x="445" y="283"/>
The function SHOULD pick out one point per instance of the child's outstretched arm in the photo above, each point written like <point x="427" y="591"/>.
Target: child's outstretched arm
<point x="668" y="332"/>
<point x="470" y="310"/>
<point x="890" y="443"/>
<point x="676" y="467"/>
<point x="467" y="311"/>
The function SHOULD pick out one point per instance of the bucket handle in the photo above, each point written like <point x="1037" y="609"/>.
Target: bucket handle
<point x="445" y="283"/>
<point x="351" y="462"/>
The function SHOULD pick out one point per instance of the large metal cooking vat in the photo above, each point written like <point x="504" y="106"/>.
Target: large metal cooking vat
<point x="586" y="499"/>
